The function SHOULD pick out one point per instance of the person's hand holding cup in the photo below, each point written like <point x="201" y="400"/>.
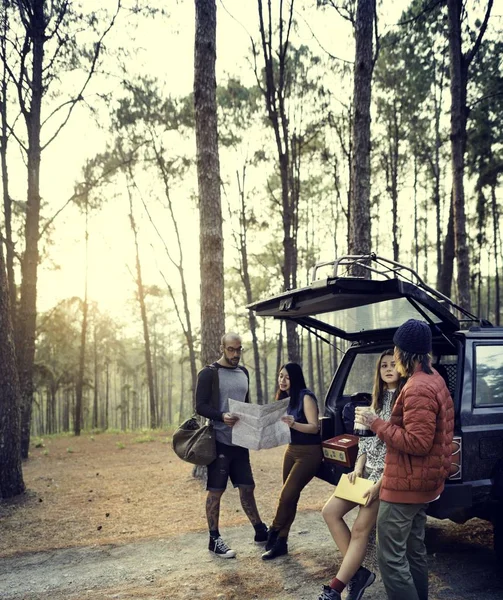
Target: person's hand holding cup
<point x="364" y="417"/>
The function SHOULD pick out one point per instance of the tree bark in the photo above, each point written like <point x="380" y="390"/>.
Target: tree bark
<point x="7" y="200"/>
<point x="79" y="387"/>
<point x="448" y="256"/>
<point x="497" y="253"/>
<point x="310" y="361"/>
<point x="208" y="177"/>
<point x="11" y="476"/>
<point x="144" y="320"/>
<point x="245" y="278"/>
<point x="26" y="321"/>
<point x="95" y="421"/>
<point x="459" y="110"/>
<point x="359" y="224"/>
<point x="279" y="357"/>
<point x="458" y="65"/>
<point x="107" y="391"/>
<point x="275" y="67"/>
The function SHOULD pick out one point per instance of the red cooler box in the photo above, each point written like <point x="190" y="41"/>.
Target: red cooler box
<point x="341" y="449"/>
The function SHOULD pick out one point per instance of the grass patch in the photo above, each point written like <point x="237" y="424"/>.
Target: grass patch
<point x="144" y="439"/>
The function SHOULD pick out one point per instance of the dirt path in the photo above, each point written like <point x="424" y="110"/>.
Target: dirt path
<point x="461" y="567"/>
<point x="118" y="516"/>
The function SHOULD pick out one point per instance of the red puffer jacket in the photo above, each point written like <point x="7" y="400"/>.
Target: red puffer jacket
<point x="418" y="441"/>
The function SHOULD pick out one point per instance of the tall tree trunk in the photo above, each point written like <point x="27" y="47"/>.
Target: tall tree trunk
<point x="96" y="382"/>
<point x="35" y="15"/>
<point x="275" y="97"/>
<point x="107" y="391"/>
<point x="26" y="320"/>
<point x="279" y="357"/>
<point x="79" y="387"/>
<point x="66" y="410"/>
<point x="393" y="155"/>
<point x="11" y="476"/>
<point x="49" y="410"/>
<point x="144" y="319"/>
<point x="170" y="382"/>
<point x="359" y="225"/>
<point x="448" y="256"/>
<point x="208" y="177"/>
<point x="245" y="278"/>
<point x="458" y="65"/>
<point x="436" y="172"/>
<point x="416" y="221"/>
<point x="319" y="368"/>
<point x="182" y="389"/>
<point x="497" y="253"/>
<point x="459" y="74"/>
<point x="156" y="379"/>
<point x="7" y="200"/>
<point x="310" y="361"/>
<point x="187" y="324"/>
<point x="265" y="357"/>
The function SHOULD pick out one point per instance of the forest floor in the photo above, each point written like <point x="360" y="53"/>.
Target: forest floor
<point x="120" y="516"/>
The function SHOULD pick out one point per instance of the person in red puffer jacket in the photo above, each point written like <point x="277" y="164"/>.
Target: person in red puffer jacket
<point x="418" y="439"/>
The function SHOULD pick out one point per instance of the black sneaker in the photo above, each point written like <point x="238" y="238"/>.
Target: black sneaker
<point x="359" y="582"/>
<point x="328" y="593"/>
<point x="220" y="548"/>
<point x="261" y="534"/>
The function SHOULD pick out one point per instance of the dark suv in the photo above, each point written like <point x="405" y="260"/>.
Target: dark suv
<point x="467" y="352"/>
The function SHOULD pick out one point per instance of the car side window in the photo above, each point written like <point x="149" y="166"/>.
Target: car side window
<point x="361" y="375"/>
<point x="489" y="375"/>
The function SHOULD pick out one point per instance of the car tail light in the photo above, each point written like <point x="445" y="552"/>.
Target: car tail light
<point x="455" y="471"/>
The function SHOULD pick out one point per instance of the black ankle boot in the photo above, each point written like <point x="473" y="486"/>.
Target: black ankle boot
<point x="271" y="538"/>
<point x="280" y="548"/>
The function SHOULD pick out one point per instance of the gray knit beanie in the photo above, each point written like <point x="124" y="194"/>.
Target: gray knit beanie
<point x="413" y="336"/>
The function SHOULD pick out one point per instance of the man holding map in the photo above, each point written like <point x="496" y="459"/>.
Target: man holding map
<point x="216" y="383"/>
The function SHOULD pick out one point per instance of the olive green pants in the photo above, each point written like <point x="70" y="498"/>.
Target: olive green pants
<point x="401" y="551"/>
<point x="300" y="465"/>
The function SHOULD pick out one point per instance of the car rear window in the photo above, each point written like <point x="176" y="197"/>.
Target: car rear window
<point x="379" y="315"/>
<point x="361" y="375"/>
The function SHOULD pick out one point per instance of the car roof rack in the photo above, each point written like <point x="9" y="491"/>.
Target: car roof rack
<point x="386" y="268"/>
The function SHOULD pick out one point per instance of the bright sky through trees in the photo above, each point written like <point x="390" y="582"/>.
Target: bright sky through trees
<point x="161" y="48"/>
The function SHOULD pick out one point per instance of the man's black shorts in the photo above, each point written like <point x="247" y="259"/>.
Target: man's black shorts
<point x="233" y="462"/>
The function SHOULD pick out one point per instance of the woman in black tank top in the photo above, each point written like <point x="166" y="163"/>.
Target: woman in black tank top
<point x="302" y="457"/>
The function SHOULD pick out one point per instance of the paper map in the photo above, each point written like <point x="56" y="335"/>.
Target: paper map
<point x="260" y="425"/>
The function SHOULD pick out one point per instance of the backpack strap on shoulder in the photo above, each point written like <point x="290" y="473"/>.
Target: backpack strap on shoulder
<point x="215" y="389"/>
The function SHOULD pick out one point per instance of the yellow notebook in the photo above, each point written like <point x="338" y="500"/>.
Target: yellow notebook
<point x="353" y="492"/>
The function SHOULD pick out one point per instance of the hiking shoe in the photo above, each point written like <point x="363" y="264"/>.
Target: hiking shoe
<point x="359" y="582"/>
<point x="329" y="594"/>
<point x="261" y="533"/>
<point x="220" y="548"/>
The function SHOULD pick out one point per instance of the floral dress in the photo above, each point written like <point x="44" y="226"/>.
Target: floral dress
<point x="373" y="447"/>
